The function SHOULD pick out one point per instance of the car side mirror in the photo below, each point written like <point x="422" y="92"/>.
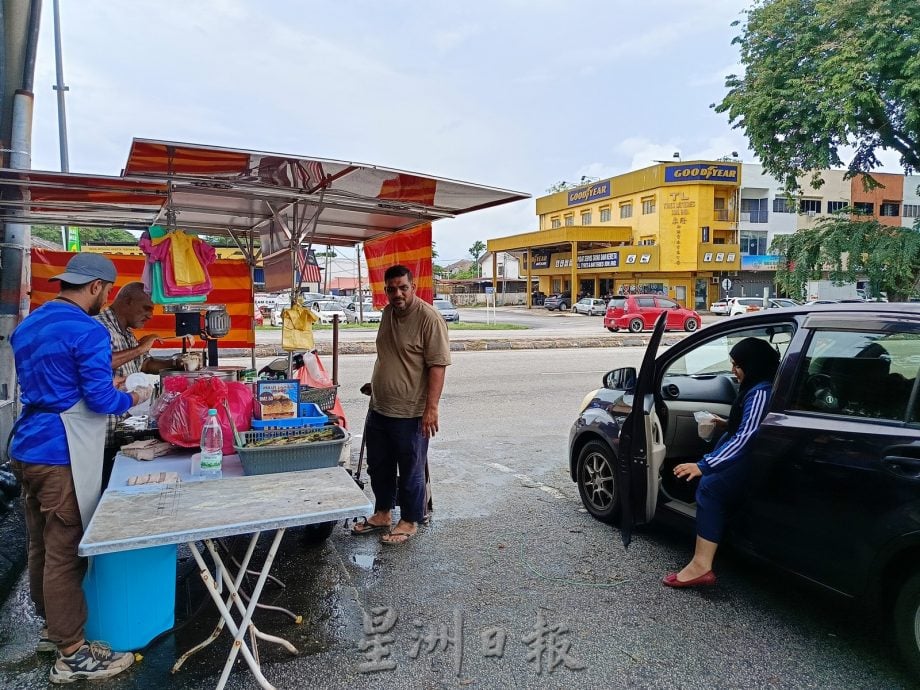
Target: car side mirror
<point x="623" y="379"/>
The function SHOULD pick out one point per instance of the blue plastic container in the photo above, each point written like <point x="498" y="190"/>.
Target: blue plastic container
<point x="310" y="415"/>
<point x="130" y="596"/>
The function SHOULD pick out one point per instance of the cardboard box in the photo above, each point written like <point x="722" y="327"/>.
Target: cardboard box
<point x="277" y="399"/>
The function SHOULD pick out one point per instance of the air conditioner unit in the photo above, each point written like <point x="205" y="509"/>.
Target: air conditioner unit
<point x="810" y="213"/>
<point x="714" y="280"/>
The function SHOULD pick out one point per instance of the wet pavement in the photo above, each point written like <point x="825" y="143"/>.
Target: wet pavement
<point x="512" y="585"/>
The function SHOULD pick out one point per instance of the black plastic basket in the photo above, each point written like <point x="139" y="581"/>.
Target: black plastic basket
<point x="324" y="398"/>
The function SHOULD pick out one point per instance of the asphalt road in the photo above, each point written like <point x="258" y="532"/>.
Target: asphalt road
<point x="511" y="554"/>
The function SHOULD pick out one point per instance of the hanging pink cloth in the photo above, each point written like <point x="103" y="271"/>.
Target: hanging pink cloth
<point x="162" y="250"/>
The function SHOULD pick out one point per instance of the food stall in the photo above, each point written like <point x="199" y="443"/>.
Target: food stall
<point x="273" y="208"/>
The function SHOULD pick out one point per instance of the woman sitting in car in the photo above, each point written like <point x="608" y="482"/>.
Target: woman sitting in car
<point x="723" y="472"/>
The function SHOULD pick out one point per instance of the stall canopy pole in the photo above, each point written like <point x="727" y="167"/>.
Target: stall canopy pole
<point x="358" y="249"/>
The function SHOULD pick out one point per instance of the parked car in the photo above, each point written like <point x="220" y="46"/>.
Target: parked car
<point x="590" y="306"/>
<point x="719" y="307"/>
<point x="640" y="312"/>
<point x="448" y="311"/>
<point x="327" y="311"/>
<point x="833" y="493"/>
<point x="746" y="305"/>
<point x="561" y="301"/>
<point x="366" y="314"/>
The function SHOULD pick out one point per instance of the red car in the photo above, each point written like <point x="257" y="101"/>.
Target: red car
<point x="639" y="312"/>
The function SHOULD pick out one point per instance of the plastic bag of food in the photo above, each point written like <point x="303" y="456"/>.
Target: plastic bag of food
<point x="182" y="419"/>
<point x="705" y="424"/>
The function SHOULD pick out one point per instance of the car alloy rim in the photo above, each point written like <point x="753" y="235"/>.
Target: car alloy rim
<point x="597" y="478"/>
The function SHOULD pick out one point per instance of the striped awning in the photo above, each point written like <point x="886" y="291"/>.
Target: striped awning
<point x="243" y="194"/>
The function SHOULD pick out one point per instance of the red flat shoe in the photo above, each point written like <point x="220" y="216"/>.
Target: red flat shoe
<point x="704" y="580"/>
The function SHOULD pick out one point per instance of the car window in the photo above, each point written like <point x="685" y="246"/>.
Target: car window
<point x="859" y="374"/>
<point x="443" y="304"/>
<point x="666" y="303"/>
<point x="645" y="302"/>
<point x="616" y="303"/>
<point x="712" y="356"/>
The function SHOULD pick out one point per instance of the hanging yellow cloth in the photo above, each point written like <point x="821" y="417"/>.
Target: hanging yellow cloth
<point x="186" y="266"/>
<point x="297" y="328"/>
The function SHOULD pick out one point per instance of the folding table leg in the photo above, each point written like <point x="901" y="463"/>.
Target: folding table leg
<point x="218" y="586"/>
<point x="238" y="645"/>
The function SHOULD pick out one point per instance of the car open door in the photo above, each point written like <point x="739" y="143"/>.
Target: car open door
<point x="642" y="446"/>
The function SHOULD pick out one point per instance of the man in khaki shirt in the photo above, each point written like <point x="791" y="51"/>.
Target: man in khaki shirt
<point x="413" y="353"/>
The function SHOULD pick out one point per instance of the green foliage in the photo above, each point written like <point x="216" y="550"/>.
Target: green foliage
<point x="477" y="249"/>
<point x="850" y="247"/>
<point x="52" y="233"/>
<point x="825" y="74"/>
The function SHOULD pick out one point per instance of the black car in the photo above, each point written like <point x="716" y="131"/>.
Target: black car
<point x="834" y="490"/>
<point x="562" y="302"/>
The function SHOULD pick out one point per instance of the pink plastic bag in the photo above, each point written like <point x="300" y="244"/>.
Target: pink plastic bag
<point x="181" y="421"/>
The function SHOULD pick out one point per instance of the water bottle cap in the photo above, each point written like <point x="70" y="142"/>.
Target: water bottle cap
<point x="212" y="412"/>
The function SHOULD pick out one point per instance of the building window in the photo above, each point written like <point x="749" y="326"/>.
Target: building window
<point x="570" y="219"/>
<point x="555" y="222"/>
<point x="810" y="206"/>
<point x="754" y="242"/>
<point x="648" y="205"/>
<point x="646" y="242"/>
<point x="754" y="211"/>
<point x="834" y="206"/>
<point x="626" y="210"/>
<point x="890" y="208"/>
<point x="586" y="217"/>
<point x="704" y="233"/>
<point x="782" y="205"/>
<point x="605" y="214"/>
<point x="912" y="210"/>
<point x="866" y="207"/>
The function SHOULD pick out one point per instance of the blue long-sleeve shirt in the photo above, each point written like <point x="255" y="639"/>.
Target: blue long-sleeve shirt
<point x="732" y="448"/>
<point x="62" y="356"/>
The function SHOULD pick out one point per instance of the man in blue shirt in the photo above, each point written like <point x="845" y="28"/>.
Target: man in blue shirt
<point x="64" y="366"/>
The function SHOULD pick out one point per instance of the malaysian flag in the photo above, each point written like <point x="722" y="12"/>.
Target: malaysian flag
<point x="306" y="264"/>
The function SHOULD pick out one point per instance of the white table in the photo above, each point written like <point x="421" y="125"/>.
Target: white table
<point x="204" y="510"/>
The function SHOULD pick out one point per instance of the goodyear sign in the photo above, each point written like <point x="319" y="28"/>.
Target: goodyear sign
<point x="697" y="172"/>
<point x="588" y="193"/>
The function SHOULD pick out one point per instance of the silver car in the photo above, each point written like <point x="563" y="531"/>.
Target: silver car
<point x="363" y="312"/>
<point x="590" y="306"/>
<point x="447" y="310"/>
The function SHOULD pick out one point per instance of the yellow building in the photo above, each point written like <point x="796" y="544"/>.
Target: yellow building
<point x="671" y="228"/>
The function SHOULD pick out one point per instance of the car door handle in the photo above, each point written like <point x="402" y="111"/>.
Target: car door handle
<point x="902" y="466"/>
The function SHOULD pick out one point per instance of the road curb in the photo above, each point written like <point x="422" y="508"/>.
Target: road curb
<point x="479" y="345"/>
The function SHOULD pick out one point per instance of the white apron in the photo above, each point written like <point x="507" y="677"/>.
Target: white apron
<point x="85" y="431"/>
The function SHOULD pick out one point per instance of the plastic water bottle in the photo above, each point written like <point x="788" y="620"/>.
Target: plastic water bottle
<point x="212" y="443"/>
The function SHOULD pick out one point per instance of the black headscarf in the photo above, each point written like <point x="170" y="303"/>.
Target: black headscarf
<point x="759" y="361"/>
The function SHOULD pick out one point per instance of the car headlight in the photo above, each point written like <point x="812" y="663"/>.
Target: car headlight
<point x="587" y="401"/>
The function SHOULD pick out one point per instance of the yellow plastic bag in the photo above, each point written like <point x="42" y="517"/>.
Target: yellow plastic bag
<point x="297" y="329"/>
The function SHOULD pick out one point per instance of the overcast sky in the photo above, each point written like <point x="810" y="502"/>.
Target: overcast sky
<point x="518" y="94"/>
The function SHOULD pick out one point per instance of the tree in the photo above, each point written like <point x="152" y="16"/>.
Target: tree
<point x="821" y="75"/>
<point x="850" y="247"/>
<point x="52" y="233"/>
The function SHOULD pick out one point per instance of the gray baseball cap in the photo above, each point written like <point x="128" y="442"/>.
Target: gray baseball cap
<point x="85" y="267"/>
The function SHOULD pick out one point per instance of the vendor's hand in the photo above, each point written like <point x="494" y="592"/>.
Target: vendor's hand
<point x="147" y="341"/>
<point x="119" y="381"/>
<point x="688" y="471"/>
<point x="142" y="393"/>
<point x="366" y="389"/>
<point x="430" y="423"/>
<point x="719" y="422"/>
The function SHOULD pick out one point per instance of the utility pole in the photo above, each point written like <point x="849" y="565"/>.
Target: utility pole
<point x="19" y="30"/>
<point x="62" y="111"/>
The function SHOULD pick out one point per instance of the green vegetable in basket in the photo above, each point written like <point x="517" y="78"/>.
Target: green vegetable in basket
<point x="324" y="434"/>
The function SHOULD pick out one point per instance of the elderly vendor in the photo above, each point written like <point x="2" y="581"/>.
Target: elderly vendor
<point x="131" y="308"/>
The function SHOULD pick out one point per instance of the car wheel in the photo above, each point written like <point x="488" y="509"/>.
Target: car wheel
<point x="907" y="623"/>
<point x="317" y="534"/>
<point x="612" y="329"/>
<point x="597" y="482"/>
<point x="636" y="326"/>
<point x="563" y="306"/>
<point x="690" y="325"/>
